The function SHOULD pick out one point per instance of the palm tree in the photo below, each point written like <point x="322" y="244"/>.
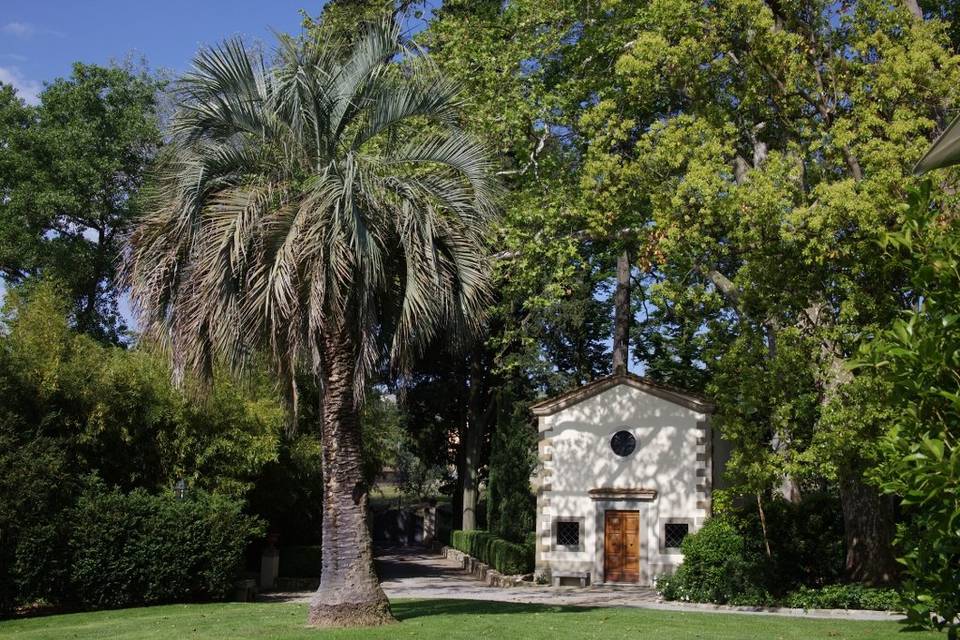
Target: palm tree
<point x="325" y="210"/>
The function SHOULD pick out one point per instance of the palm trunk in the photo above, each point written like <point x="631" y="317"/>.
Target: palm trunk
<point x="349" y="593"/>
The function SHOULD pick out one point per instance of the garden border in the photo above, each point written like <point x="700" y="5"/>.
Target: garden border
<point x="490" y="576"/>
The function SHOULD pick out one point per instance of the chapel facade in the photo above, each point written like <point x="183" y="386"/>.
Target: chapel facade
<point x="627" y="469"/>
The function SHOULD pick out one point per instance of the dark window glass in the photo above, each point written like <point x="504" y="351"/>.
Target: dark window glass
<point x="568" y="533"/>
<point x="623" y="443"/>
<point x="674" y="533"/>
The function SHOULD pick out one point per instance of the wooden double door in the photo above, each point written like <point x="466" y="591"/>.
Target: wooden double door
<point x="621" y="546"/>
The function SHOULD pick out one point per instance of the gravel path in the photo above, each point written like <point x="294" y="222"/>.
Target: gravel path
<point x="418" y="573"/>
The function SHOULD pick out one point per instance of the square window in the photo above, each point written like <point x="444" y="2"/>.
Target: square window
<point x="674" y="533"/>
<point x="568" y="533"/>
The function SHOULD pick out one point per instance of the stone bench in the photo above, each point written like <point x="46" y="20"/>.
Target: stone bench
<point x="581" y="575"/>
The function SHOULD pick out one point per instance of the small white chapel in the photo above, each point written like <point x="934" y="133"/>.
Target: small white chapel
<point x="626" y="471"/>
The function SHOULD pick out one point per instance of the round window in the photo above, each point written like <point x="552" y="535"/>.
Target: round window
<point x="623" y="443"/>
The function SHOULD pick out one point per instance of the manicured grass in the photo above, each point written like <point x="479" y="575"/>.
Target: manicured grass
<point x="446" y="619"/>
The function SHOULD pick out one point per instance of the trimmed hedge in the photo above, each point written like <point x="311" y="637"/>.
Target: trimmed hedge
<point x="144" y="549"/>
<point x="508" y="558"/>
<point x="301" y="561"/>
<point x="122" y="550"/>
<point x="845" y="596"/>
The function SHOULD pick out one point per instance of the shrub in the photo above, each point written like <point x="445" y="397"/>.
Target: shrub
<point x="718" y="566"/>
<point x="301" y="561"/>
<point x="36" y="491"/>
<point x="506" y="557"/>
<point x="806" y="540"/>
<point x="41" y="562"/>
<point x="844" y="596"/>
<point x="137" y="548"/>
<point x="724" y="565"/>
<point x="917" y="357"/>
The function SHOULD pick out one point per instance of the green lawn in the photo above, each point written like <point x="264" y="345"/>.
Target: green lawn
<point x="426" y="619"/>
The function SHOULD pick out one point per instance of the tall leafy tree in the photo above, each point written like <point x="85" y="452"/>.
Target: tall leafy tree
<point x="71" y="172"/>
<point x="326" y="210"/>
<point x="761" y="147"/>
<point x="521" y="62"/>
<point x="551" y="319"/>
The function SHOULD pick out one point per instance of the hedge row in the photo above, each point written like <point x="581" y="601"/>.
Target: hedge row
<point x="506" y="557"/>
<point x="845" y="596"/>
<point x="118" y="550"/>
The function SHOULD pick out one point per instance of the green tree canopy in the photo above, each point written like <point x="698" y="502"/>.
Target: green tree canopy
<point x="70" y="171"/>
<point x="916" y="359"/>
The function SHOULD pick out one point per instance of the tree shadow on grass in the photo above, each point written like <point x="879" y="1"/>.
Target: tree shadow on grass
<point x="409" y="609"/>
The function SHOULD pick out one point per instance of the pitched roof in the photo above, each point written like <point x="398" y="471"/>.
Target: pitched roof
<point x="683" y="398"/>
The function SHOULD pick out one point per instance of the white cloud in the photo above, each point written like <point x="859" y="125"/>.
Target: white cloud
<point x="27" y="89"/>
<point x="19" y="29"/>
<point x="16" y="57"/>
<point x="26" y="30"/>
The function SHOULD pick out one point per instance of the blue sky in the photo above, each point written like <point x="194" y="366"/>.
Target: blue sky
<point x="41" y="39"/>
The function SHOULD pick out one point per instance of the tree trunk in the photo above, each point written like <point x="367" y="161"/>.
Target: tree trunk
<point x="88" y="314"/>
<point x="868" y="524"/>
<point x="463" y="429"/>
<point x="349" y="593"/>
<point x="868" y="530"/>
<point x="914" y="8"/>
<point x="763" y="526"/>
<point x="476" y="426"/>
<point x="621" y="318"/>
<point x="471" y="455"/>
<point x="456" y="503"/>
